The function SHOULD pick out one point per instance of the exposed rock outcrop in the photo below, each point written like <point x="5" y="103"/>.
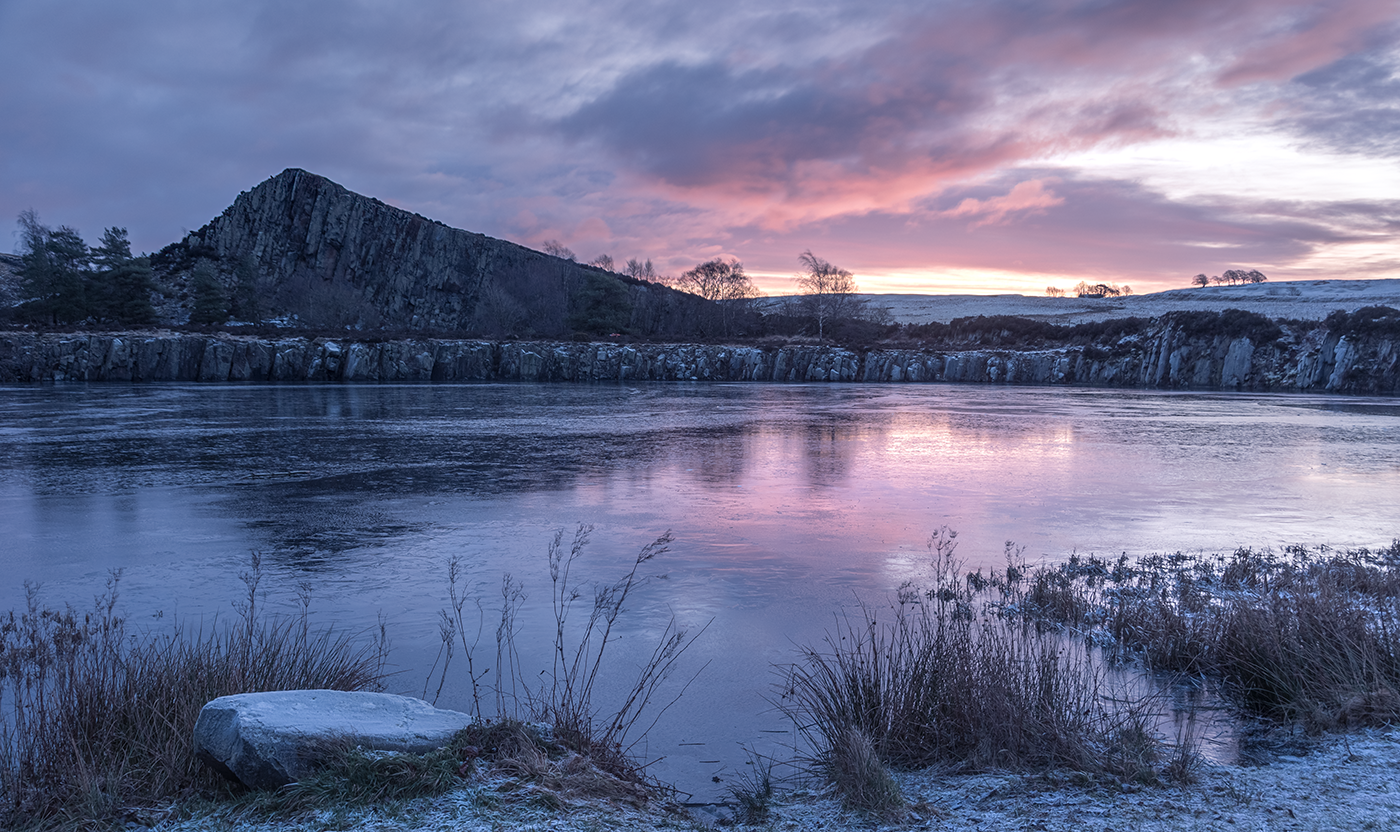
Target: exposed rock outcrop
<point x="1164" y="356"/>
<point x="301" y="246"/>
<point x="266" y="740"/>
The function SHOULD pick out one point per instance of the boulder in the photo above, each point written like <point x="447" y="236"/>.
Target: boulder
<point x="266" y="740"/>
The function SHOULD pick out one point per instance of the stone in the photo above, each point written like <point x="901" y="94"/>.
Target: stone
<point x="266" y="740"/>
<point x="1160" y="356"/>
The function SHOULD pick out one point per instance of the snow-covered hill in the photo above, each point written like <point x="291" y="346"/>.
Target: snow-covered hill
<point x="1299" y="300"/>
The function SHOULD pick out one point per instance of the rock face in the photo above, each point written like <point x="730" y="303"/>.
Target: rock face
<point x="265" y="740"/>
<point x="327" y="255"/>
<point x="1312" y="359"/>
<point x="301" y="246"/>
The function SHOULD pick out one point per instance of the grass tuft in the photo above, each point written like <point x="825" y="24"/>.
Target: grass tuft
<point x="754" y="791"/>
<point x="947" y="679"/>
<point x="1302" y="635"/>
<point x="861" y="778"/>
<point x="99" y="718"/>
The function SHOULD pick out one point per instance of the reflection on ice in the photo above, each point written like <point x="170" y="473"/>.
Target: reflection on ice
<point x="787" y="502"/>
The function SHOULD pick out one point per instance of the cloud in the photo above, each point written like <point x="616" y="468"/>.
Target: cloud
<point x="1029" y="196"/>
<point x="942" y="97"/>
<point x="1352" y="105"/>
<point x="753" y="129"/>
<point x="1104" y="229"/>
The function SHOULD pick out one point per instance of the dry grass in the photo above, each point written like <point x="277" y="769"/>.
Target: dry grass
<point x="1003" y="670"/>
<point x="860" y="776"/>
<point x="585" y="620"/>
<point x="501" y="761"/>
<point x="98" y="718"/>
<point x="949" y="679"/>
<point x="1302" y="635"/>
<point x="754" y="791"/>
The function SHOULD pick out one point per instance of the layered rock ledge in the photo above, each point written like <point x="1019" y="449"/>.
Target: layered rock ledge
<point x="1161" y="357"/>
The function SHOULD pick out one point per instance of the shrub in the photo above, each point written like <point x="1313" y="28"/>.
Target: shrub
<point x="1230" y="323"/>
<point x="1369" y="320"/>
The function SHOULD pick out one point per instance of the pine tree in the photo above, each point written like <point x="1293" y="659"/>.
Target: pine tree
<point x="122" y="285"/>
<point x="246" y="303"/>
<point x="55" y="270"/>
<point x="210" y="303"/>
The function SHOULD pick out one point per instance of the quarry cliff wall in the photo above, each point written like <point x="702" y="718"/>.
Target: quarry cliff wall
<point x="1318" y="360"/>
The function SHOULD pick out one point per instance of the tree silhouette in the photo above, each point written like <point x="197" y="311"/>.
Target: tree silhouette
<point x="828" y="292"/>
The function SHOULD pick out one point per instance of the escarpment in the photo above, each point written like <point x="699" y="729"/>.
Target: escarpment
<point x="301" y="248"/>
<point x="1165" y="355"/>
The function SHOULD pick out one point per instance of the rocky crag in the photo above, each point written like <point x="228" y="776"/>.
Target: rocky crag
<point x="299" y="247"/>
<point x="1315" y="358"/>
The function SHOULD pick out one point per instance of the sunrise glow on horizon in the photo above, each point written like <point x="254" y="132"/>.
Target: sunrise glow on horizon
<point x="947" y="147"/>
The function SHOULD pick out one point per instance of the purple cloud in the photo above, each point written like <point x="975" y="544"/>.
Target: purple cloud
<point x="683" y="132"/>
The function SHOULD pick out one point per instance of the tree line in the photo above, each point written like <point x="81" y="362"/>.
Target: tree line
<point x="64" y="281"/>
<point x="1231" y="277"/>
<point x="1085" y="289"/>
<point x="825" y="293"/>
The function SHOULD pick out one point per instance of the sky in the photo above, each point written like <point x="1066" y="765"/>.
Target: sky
<point x="979" y="147"/>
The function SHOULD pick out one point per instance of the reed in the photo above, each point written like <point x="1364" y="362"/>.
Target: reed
<point x="947" y="678"/>
<point x="97" y="717"/>
<point x="1305" y="635"/>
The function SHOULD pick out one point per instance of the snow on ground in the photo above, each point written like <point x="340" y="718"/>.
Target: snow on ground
<point x="1348" y="783"/>
<point x="1300" y="300"/>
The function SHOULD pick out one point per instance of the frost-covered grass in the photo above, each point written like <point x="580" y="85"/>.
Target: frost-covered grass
<point x="1005" y="670"/>
<point x="97" y="716"/>
<point x="962" y="672"/>
<point x="946" y="678"/>
<point x="1307" y="635"/>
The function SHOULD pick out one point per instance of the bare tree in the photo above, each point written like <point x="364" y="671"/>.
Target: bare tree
<point x="554" y="248"/>
<point x="602" y="261"/>
<point x="1200" y="280"/>
<point x="722" y="282"/>
<point x="641" y="271"/>
<point x="828" y="292"/>
<point x="1054" y="292"/>
<point x="1084" y="289"/>
<point x="1236" y="277"/>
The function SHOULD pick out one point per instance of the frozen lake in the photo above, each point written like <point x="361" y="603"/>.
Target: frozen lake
<point x="787" y="502"/>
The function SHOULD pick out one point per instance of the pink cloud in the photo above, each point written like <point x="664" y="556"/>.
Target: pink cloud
<point x="1030" y="196"/>
<point x="1310" y="37"/>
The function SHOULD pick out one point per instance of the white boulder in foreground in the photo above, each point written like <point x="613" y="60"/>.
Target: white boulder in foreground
<point x="265" y="740"/>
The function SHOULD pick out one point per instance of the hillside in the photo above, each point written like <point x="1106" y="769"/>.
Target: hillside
<point x="1305" y="300"/>
<point x="299" y="247"/>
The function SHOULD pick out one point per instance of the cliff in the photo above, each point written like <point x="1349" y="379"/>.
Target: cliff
<point x="301" y="247"/>
<point x="1341" y="358"/>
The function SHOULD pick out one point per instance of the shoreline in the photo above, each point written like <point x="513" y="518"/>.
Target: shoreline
<point x="1242" y="351"/>
<point x="1345" y="781"/>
